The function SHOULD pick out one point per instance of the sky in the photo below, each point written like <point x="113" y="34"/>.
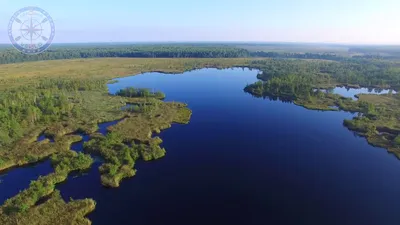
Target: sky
<point x="333" y="21"/>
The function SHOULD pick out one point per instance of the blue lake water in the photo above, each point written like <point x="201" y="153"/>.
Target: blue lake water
<point x="352" y="92"/>
<point x="245" y="160"/>
<point x="17" y="179"/>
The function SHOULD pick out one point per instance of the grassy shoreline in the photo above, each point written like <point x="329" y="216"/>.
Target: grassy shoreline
<point x="70" y="77"/>
<point x="24" y="208"/>
<point x="300" y="83"/>
<point x="102" y="69"/>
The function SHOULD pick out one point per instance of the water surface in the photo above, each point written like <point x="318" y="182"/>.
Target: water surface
<point x="245" y="160"/>
<point x="352" y="92"/>
<point x="14" y="180"/>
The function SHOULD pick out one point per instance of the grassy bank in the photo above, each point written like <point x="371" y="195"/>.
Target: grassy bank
<point x="377" y="119"/>
<point x="12" y="75"/>
<point x="132" y="139"/>
<point x="25" y="208"/>
<point x="65" y="96"/>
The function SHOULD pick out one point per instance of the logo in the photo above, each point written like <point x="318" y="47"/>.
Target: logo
<point x="31" y="30"/>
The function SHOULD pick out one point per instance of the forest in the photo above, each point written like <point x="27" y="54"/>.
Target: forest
<point x="10" y="55"/>
<point x="145" y="51"/>
<point x="358" y="72"/>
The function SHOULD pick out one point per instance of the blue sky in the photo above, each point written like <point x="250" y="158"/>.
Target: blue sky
<point x="334" y="21"/>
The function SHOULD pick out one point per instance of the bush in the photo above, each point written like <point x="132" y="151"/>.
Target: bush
<point x="139" y="93"/>
<point x="397" y="140"/>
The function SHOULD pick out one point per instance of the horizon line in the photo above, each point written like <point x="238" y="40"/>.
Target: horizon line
<point x="222" y="42"/>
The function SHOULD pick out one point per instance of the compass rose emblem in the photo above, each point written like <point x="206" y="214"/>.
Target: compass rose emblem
<point x="31" y="30"/>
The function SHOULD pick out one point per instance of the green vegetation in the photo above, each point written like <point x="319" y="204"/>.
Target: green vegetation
<point x="66" y="162"/>
<point x="384" y="52"/>
<point x="183" y="50"/>
<point x="204" y="50"/>
<point x="54" y="211"/>
<point x="126" y="51"/>
<point x="88" y="72"/>
<point x="63" y="106"/>
<point x="379" y="121"/>
<point x="159" y="116"/>
<point x="61" y="97"/>
<point x="24" y="208"/>
<point x="120" y="158"/>
<point x="55" y="111"/>
<point x="139" y="92"/>
<point x="324" y="74"/>
<point x="57" y="100"/>
<point x="308" y="84"/>
<point x="28" y="150"/>
<point x="152" y="116"/>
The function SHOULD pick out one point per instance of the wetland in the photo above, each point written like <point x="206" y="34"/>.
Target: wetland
<point x="213" y="144"/>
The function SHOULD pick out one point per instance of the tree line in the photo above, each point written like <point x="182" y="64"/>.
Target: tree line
<point x="362" y="72"/>
<point x="10" y="55"/>
<point x="326" y="56"/>
<point x="132" y="92"/>
<point x="150" y="51"/>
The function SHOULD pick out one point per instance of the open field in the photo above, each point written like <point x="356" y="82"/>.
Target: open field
<point x="12" y="75"/>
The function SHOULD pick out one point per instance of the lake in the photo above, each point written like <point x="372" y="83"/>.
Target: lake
<point x="241" y="160"/>
<point x="352" y="92"/>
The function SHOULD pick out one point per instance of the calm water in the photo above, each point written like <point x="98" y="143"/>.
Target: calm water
<point x="16" y="180"/>
<point x="351" y="92"/>
<point x="245" y="160"/>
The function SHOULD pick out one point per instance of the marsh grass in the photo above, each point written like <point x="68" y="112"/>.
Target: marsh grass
<point x="70" y="96"/>
<point x="53" y="211"/>
<point x="24" y="207"/>
<point x="376" y="113"/>
<point x="137" y="129"/>
<point x="103" y="69"/>
<point x="159" y="116"/>
<point x="119" y="157"/>
<point x="132" y="92"/>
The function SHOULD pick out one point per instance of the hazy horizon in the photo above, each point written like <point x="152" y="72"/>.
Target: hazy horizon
<point x="368" y="22"/>
<point x="225" y="42"/>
